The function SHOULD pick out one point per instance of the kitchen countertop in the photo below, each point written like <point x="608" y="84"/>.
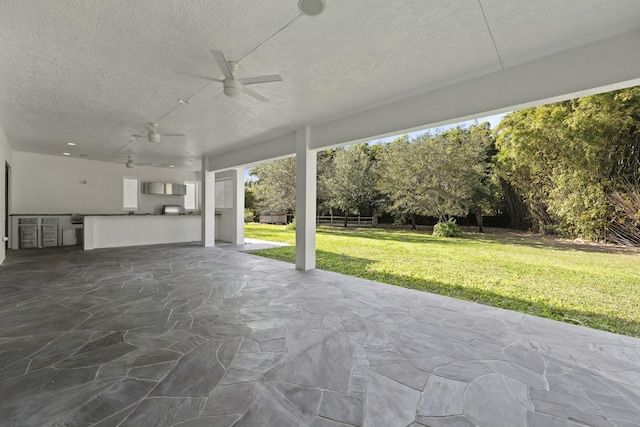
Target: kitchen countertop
<point x="66" y="214"/>
<point x="139" y="214"/>
<point x="122" y="214"/>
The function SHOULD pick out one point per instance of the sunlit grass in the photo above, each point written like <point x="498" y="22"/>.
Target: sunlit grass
<point x="589" y="285"/>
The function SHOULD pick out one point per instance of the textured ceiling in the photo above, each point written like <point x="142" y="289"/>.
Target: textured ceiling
<point x="93" y="72"/>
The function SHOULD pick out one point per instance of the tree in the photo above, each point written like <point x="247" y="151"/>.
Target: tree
<point x="400" y="171"/>
<point x="441" y="175"/>
<point x="350" y="184"/>
<point x="568" y="159"/>
<point x="275" y="186"/>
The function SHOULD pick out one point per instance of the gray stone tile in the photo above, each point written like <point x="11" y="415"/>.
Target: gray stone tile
<point x="268" y="409"/>
<point x="187" y="344"/>
<point x="389" y="403"/>
<point x="230" y="399"/>
<point x="359" y="375"/>
<point x="454" y="421"/>
<point x="465" y="371"/>
<point x="228" y="350"/>
<point x="341" y="407"/>
<point x="404" y="373"/>
<point x="164" y="411"/>
<point x="96" y="357"/>
<point x="196" y="374"/>
<point x="319" y="358"/>
<point x="536" y="419"/>
<point x="442" y="397"/>
<point x="154" y="357"/>
<point x="221" y="421"/>
<point x="247" y="367"/>
<point x="383" y="355"/>
<point x="17" y="368"/>
<point x="282" y="339"/>
<point x="324" y="422"/>
<point x="508" y="397"/>
<point x="45" y="380"/>
<point x="568" y="408"/>
<point x="111" y="401"/>
<point x="305" y="399"/>
<point x="98" y="344"/>
<point x="522" y="354"/>
<point x="152" y="372"/>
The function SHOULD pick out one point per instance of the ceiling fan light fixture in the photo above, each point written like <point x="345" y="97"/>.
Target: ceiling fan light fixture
<point x="232" y="88"/>
<point x="311" y="7"/>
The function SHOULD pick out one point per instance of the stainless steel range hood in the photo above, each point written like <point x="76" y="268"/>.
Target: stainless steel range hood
<point x="166" y="188"/>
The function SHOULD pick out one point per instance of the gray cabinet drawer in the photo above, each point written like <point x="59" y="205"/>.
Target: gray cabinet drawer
<point x="28" y="234"/>
<point x="53" y="221"/>
<point x="28" y="243"/>
<point x="49" y="242"/>
<point x="25" y="221"/>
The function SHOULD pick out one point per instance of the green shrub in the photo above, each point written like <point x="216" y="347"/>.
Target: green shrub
<point x="291" y="225"/>
<point x="447" y="229"/>
<point x="249" y="216"/>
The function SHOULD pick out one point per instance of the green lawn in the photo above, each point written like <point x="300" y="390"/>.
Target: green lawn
<point x="590" y="285"/>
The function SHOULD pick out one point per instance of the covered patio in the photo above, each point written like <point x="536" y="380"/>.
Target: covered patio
<point x="181" y="335"/>
<point x="194" y="335"/>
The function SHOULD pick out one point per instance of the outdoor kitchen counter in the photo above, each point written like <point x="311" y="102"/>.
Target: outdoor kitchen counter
<point x="117" y="230"/>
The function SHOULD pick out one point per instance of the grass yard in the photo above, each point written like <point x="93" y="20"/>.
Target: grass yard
<point x="592" y="285"/>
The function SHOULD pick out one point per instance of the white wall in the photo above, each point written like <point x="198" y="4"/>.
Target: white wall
<point x="6" y="155"/>
<point x="52" y="185"/>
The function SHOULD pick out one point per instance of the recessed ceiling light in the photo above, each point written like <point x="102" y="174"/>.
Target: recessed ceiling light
<point x="171" y="166"/>
<point x="184" y="101"/>
<point x="311" y="7"/>
<point x="71" y="143"/>
<point x="66" y="154"/>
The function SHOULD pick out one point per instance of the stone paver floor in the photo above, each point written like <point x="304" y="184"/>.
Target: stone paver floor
<point x="192" y="337"/>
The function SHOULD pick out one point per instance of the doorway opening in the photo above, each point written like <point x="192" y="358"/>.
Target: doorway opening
<point x="7" y="177"/>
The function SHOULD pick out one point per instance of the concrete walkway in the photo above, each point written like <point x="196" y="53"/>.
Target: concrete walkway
<point x="185" y="336"/>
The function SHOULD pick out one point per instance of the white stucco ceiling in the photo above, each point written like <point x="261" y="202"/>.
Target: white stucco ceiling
<point x="93" y="72"/>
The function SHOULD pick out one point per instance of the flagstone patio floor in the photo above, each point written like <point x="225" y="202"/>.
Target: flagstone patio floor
<point x="180" y="335"/>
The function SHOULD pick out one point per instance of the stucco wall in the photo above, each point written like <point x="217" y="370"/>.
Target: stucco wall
<point x="6" y="156"/>
<point x="51" y="184"/>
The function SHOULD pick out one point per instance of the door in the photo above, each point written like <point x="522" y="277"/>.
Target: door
<point x="7" y="176"/>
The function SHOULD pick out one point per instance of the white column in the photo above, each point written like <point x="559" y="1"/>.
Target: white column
<point x="208" y="210"/>
<point x="237" y="179"/>
<point x="305" y="202"/>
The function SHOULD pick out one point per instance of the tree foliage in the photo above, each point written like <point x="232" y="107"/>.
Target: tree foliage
<point x="275" y="186"/>
<point x="442" y="175"/>
<point x="350" y="180"/>
<point x="567" y="159"/>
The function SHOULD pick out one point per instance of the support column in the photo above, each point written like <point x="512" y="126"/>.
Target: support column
<point x="305" y="201"/>
<point x="237" y="179"/>
<point x="208" y="208"/>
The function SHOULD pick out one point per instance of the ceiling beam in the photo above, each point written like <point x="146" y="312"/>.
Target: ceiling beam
<point x="606" y="65"/>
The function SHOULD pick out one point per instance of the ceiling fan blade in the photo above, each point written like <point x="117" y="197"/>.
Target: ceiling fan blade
<point x="256" y="95"/>
<point x="142" y="164"/>
<point x="200" y="76"/>
<point x="261" y="79"/>
<point x="222" y="63"/>
<point x="172" y="134"/>
<point x="139" y="136"/>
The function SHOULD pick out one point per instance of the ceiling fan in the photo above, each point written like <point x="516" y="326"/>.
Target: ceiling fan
<point x="153" y="135"/>
<point x="232" y="86"/>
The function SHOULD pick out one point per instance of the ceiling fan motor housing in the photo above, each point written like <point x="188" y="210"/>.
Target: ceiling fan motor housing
<point x="232" y="88"/>
<point x="154" y="137"/>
